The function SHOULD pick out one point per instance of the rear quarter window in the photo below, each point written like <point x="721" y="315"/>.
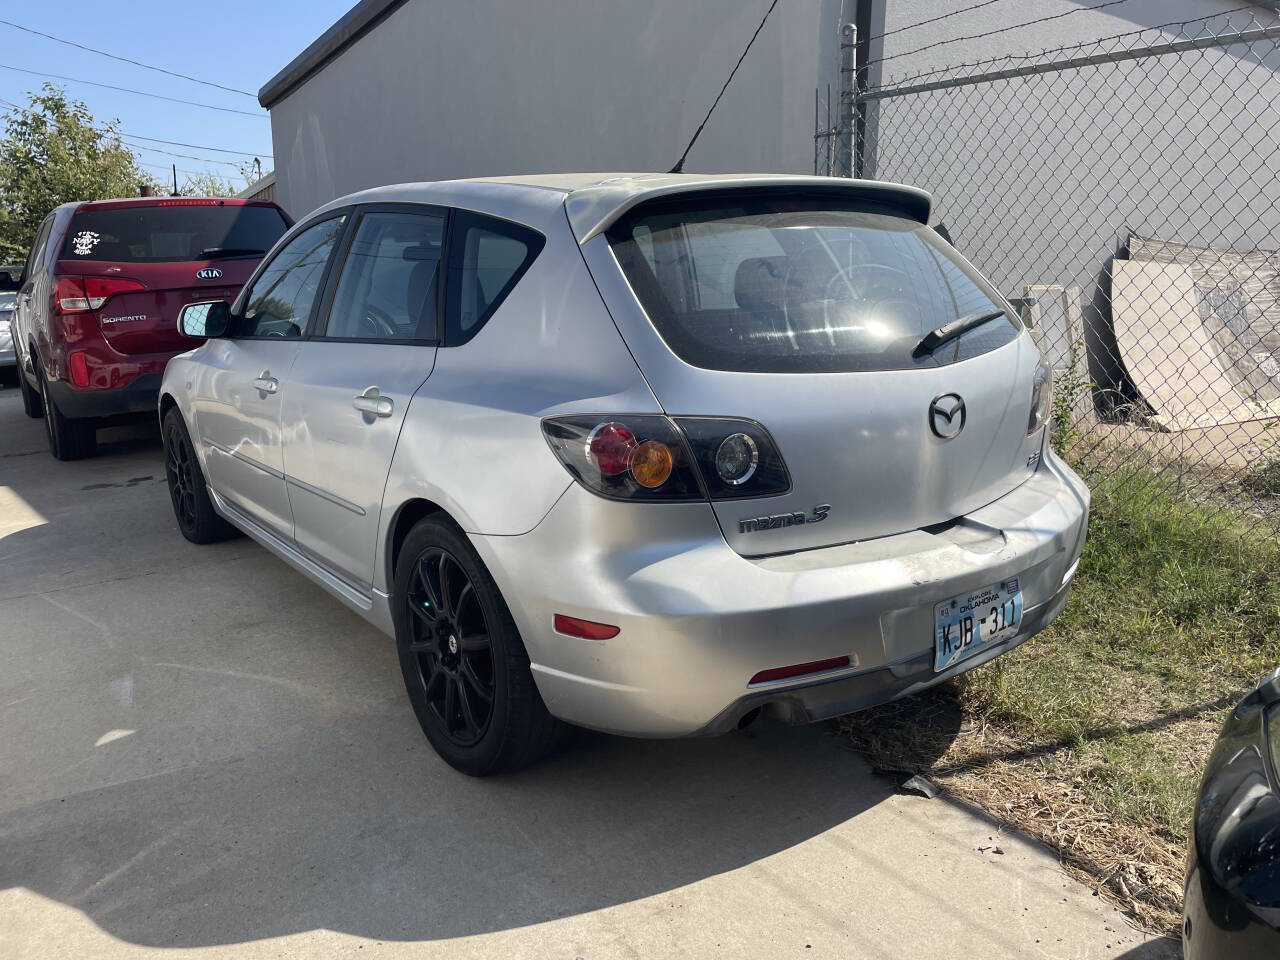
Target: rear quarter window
<point x="487" y="258"/>
<point x="786" y="284"/>
<point x="155" y="234"/>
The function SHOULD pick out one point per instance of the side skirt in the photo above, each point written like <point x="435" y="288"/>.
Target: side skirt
<point x="374" y="607"/>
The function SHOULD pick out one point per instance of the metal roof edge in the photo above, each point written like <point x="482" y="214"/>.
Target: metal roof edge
<point x="353" y="25"/>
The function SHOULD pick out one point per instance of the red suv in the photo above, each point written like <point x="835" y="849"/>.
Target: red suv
<point x="96" y="315"/>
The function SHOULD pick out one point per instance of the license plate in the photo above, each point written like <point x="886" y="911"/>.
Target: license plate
<point x="972" y="622"/>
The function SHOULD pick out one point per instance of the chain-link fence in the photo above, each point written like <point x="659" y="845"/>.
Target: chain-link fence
<point x="1125" y="195"/>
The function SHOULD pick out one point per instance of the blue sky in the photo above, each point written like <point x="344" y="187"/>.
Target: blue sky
<point x="237" y="44"/>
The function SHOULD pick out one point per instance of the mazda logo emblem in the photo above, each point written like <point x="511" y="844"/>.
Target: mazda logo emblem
<point x="209" y="273"/>
<point x="947" y="415"/>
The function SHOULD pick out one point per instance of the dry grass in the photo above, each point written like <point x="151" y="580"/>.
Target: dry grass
<point x="1092" y="737"/>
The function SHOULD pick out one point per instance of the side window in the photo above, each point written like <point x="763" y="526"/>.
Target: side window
<point x="37" y="247"/>
<point x="487" y="257"/>
<point x="390" y="282"/>
<point x="279" y="305"/>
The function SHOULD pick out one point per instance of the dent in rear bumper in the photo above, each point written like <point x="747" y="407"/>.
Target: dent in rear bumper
<point x="698" y="620"/>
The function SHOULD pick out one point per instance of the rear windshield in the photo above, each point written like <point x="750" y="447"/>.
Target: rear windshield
<point x="158" y="234"/>
<point x="780" y="285"/>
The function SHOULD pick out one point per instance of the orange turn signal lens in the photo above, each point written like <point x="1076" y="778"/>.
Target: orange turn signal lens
<point x="651" y="464"/>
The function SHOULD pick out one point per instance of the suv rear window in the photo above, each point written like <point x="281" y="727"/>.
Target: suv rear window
<point x="156" y="234"/>
<point x="781" y="285"/>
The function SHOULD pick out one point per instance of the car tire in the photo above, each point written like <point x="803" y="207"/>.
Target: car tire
<point x="192" y="505"/>
<point x="464" y="665"/>
<point x="69" y="438"/>
<point x="32" y="405"/>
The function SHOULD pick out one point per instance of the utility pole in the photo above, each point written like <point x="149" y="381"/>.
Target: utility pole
<point x="846" y="127"/>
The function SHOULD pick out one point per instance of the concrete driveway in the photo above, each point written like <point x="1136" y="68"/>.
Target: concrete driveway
<point x="201" y="750"/>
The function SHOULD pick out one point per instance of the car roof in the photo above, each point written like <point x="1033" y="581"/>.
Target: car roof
<point x="594" y="201"/>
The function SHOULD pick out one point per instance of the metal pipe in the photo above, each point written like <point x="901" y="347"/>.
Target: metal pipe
<point x="1074" y="63"/>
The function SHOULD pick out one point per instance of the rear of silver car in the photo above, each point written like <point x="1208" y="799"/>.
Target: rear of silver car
<point x="849" y="496"/>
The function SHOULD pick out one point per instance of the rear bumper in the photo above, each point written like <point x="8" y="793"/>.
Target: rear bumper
<point x="698" y="621"/>
<point x="137" y="396"/>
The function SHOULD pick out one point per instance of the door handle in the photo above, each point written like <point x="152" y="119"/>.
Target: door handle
<point x="372" y="402"/>
<point x="266" y="383"/>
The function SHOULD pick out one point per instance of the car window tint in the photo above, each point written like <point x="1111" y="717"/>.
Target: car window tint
<point x="37" y="248"/>
<point x="791" y="284"/>
<point x="487" y="257"/>
<point x="172" y="230"/>
<point x="279" y="305"/>
<point x="390" y="279"/>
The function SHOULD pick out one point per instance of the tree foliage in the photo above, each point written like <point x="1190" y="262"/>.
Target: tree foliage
<point x="208" y="185"/>
<point x="53" y="152"/>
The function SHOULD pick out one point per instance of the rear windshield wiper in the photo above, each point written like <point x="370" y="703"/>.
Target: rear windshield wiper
<point x="214" y="253"/>
<point x="949" y="331"/>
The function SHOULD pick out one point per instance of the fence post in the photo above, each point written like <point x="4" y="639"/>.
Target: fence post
<point x="846" y="126"/>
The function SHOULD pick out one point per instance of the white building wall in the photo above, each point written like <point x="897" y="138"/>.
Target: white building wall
<point x="444" y="89"/>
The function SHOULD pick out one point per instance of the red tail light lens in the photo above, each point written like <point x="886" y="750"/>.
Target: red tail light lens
<point x="609" y="447"/>
<point x="69" y="295"/>
<point x="79" y="368"/>
<point x="82" y="294"/>
<point x="587" y="629"/>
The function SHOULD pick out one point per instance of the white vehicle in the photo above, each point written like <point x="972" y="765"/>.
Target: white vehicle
<point x="651" y="454"/>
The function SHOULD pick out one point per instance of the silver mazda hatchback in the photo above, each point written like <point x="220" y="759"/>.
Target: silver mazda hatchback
<point x="651" y="454"/>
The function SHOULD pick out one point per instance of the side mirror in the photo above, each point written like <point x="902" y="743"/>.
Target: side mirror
<point x="211" y="319"/>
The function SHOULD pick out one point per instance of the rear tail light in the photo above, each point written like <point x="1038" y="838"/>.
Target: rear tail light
<point x="737" y="458"/>
<point x="625" y="458"/>
<point x="78" y="367"/>
<point x="654" y="458"/>
<point x="82" y="294"/>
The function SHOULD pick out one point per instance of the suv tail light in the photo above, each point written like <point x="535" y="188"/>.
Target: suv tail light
<point x="82" y="294"/>
<point x="652" y="458"/>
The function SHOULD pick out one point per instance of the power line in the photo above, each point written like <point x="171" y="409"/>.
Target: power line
<point x="136" y="63"/>
<point x="679" y="167"/>
<point x="200" y="146"/>
<point x="132" y="141"/>
<point x="173" y="143"/>
<point x="991" y="33"/>
<point x="184" y="156"/>
<point x="141" y="93"/>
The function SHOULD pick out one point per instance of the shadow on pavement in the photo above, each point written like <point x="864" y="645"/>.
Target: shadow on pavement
<point x="200" y="747"/>
<point x="357" y="827"/>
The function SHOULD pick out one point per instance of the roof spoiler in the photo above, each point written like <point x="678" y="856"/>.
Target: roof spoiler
<point x="593" y="210"/>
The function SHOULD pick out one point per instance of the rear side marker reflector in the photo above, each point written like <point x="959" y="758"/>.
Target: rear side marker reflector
<point x="800" y="669"/>
<point x="587" y="629"/>
<point x="79" y="369"/>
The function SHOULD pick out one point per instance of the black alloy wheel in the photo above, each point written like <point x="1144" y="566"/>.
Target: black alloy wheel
<point x="192" y="505"/>
<point x="178" y="467"/>
<point x="464" y="663"/>
<point x="450" y="640"/>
